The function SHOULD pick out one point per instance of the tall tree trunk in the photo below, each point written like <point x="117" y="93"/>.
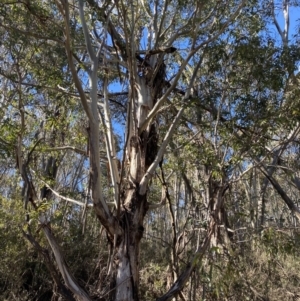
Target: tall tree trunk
<point x="141" y="153"/>
<point x="127" y="247"/>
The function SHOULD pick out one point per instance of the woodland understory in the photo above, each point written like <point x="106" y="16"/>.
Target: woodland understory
<point x="149" y="150"/>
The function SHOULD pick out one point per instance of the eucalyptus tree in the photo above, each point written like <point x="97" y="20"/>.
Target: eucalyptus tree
<point x="150" y="68"/>
<point x="144" y="69"/>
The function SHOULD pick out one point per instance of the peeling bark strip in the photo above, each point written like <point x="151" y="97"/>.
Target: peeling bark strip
<point x="70" y="281"/>
<point x="62" y="289"/>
